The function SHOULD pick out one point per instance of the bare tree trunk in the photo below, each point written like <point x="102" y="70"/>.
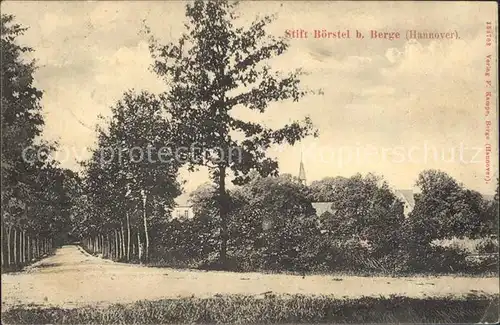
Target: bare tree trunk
<point x="223" y="216"/>
<point x="122" y="234"/>
<point x="32" y="255"/>
<point x="21" y="248"/>
<point x="1" y="251"/>
<point x="128" y="236"/>
<point x="37" y="247"/>
<point x="23" y="257"/>
<point x="113" y="244"/>
<point x="117" y="245"/>
<point x="27" y="243"/>
<point x="104" y="247"/>
<point x="139" y="247"/>
<point x="103" y="242"/>
<point x="15" y="246"/>
<point x="28" y="247"/>
<point x="9" y="248"/>
<point x="108" y="243"/>
<point x="133" y="249"/>
<point x="146" y="236"/>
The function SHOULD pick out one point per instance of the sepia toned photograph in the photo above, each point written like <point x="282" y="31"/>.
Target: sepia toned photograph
<point x="249" y="162"/>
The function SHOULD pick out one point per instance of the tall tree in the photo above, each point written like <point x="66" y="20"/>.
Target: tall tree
<point x="132" y="170"/>
<point x="445" y="209"/>
<point x="25" y="159"/>
<point x="215" y="67"/>
<point x="22" y="120"/>
<point x="365" y="209"/>
<point x="324" y="190"/>
<point x="273" y="223"/>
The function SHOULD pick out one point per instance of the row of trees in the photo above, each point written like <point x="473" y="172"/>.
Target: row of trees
<point x="36" y="193"/>
<point x="268" y="222"/>
<point x="273" y="227"/>
<point x="214" y="68"/>
<point x="128" y="184"/>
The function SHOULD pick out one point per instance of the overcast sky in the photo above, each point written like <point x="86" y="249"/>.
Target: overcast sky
<point x="388" y="102"/>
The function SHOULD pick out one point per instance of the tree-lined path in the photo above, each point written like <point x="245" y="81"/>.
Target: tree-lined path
<point x="73" y="278"/>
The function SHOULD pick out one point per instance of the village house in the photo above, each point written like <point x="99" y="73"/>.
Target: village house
<point x="183" y="208"/>
<point x="407" y="197"/>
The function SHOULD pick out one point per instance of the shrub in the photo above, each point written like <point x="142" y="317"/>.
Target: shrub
<point x="487" y="246"/>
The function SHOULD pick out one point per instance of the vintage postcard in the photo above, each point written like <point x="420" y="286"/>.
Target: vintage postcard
<point x="222" y="162"/>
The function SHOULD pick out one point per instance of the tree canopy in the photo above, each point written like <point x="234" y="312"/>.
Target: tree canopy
<point x="214" y="67"/>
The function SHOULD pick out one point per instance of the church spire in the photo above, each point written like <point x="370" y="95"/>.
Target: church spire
<point x="302" y="171"/>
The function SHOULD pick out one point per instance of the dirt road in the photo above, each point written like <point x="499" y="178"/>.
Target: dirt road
<point x="73" y="278"/>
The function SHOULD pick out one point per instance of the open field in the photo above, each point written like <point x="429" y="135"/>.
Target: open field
<point x="72" y="278"/>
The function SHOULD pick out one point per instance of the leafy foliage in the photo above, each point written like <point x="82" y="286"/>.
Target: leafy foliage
<point x="445" y="209"/>
<point x="324" y="190"/>
<point x="273" y="225"/>
<point x="131" y="178"/>
<point x="215" y="67"/>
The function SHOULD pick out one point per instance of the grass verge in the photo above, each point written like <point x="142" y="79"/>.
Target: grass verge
<point x="236" y="309"/>
<point x="18" y="268"/>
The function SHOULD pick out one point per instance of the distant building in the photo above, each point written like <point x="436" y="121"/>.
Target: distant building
<point x="322" y="207"/>
<point x="405" y="196"/>
<point x="183" y="212"/>
<point x="408" y="199"/>
<point x="183" y="208"/>
<point x="302" y="172"/>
